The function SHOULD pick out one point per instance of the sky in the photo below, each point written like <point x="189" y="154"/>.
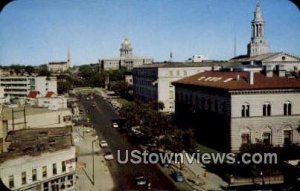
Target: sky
<point x="34" y="32"/>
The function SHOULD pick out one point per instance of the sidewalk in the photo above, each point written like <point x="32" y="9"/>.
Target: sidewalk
<point x="200" y="179"/>
<point x="84" y="172"/>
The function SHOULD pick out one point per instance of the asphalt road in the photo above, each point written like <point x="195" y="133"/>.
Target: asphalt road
<point x="101" y="117"/>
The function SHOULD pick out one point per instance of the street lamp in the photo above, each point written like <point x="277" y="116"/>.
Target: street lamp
<point x="94" y="158"/>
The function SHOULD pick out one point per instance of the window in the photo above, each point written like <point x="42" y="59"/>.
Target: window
<point x="287" y="108"/>
<point x="287" y="137"/>
<point x="245" y="110"/>
<point x="266" y="138"/>
<point x="54" y="169"/>
<point x="171" y="73"/>
<point x="44" y="171"/>
<point x="178" y="73"/>
<point x="63" y="166"/>
<point x="67" y="118"/>
<point x="267" y="109"/>
<point x="185" y="73"/>
<point x="171" y="94"/>
<point x="203" y="104"/>
<point x="11" y="182"/>
<point x="34" y="177"/>
<point x="23" y="175"/>
<point x="245" y="138"/>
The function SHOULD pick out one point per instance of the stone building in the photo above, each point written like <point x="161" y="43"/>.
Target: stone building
<point x="126" y="59"/>
<point x="229" y="109"/>
<point x="59" y="67"/>
<point x="154" y="82"/>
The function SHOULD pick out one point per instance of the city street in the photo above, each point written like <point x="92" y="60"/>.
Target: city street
<point x="123" y="174"/>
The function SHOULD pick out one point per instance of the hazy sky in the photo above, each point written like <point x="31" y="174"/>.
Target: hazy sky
<point x="34" y="32"/>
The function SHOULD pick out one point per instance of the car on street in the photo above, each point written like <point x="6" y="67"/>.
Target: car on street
<point x="140" y="180"/>
<point x="103" y="144"/>
<point x="108" y="155"/>
<point x="115" y="125"/>
<point x="177" y="176"/>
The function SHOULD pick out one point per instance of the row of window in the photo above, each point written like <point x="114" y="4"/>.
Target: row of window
<point x="267" y="137"/>
<point x="178" y="73"/>
<point x="11" y="182"/>
<point x="204" y="104"/>
<point x="287" y="109"/>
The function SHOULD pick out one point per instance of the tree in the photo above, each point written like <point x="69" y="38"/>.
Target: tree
<point x="64" y="87"/>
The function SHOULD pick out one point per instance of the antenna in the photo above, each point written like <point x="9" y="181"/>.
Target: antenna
<point x="234" y="45"/>
<point x="171" y="56"/>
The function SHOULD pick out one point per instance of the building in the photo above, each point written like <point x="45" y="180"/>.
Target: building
<point x="258" y="54"/>
<point x="59" y="67"/>
<point x="50" y="100"/>
<point x="126" y="59"/>
<point x="229" y="109"/>
<point x="30" y="118"/>
<point x="154" y="82"/>
<point x="39" y="159"/>
<point x="20" y="86"/>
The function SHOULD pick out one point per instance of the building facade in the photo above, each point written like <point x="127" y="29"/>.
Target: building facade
<point x="230" y="109"/>
<point x="126" y="59"/>
<point x="47" y="163"/>
<point x="20" y="86"/>
<point x="154" y="82"/>
<point x="60" y="67"/>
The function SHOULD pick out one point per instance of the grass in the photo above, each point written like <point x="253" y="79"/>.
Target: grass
<point x="204" y="149"/>
<point x="122" y="101"/>
<point x="85" y="90"/>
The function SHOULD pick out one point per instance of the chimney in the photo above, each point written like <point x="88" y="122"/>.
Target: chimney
<point x="251" y="77"/>
<point x="281" y="70"/>
<point x="238" y="77"/>
<point x="269" y="71"/>
<point x="252" y="62"/>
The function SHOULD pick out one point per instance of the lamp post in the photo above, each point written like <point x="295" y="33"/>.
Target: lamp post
<point x="94" y="158"/>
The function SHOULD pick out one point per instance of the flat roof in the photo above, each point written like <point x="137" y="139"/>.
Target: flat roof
<point x="35" y="141"/>
<point x="7" y="112"/>
<point x="186" y="64"/>
<point x="239" y="81"/>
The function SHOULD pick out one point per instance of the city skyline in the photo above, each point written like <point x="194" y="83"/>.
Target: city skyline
<point x="37" y="32"/>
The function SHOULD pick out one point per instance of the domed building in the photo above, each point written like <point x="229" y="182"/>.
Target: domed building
<point x="126" y="59"/>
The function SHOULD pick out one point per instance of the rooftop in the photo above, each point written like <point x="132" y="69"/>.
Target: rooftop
<point x="58" y="63"/>
<point x="7" y="112"/>
<point x="239" y="81"/>
<point x="186" y="64"/>
<point x="260" y="57"/>
<point x="33" y="142"/>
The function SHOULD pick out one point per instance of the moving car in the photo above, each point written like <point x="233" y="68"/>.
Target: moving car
<point x="140" y="180"/>
<point x="108" y="156"/>
<point x="103" y="144"/>
<point x="178" y="176"/>
<point x="115" y="125"/>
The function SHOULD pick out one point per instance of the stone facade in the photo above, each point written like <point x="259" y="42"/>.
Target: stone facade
<point x="263" y="115"/>
<point x="126" y="59"/>
<point x="154" y="82"/>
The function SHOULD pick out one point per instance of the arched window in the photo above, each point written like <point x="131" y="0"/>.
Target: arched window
<point x="267" y="109"/>
<point x="267" y="136"/>
<point x="245" y="110"/>
<point x="287" y="108"/>
<point x="203" y="103"/>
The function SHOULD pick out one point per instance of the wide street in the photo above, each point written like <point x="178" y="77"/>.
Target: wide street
<point x="101" y="115"/>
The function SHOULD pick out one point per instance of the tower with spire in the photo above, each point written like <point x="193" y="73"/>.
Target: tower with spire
<point x="258" y="44"/>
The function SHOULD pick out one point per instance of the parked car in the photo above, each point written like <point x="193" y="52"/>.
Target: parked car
<point x="108" y="156"/>
<point x="115" y="125"/>
<point x="177" y="176"/>
<point x="140" y="180"/>
<point x="103" y="144"/>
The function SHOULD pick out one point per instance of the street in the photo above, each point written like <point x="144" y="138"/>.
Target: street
<point x="123" y="174"/>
